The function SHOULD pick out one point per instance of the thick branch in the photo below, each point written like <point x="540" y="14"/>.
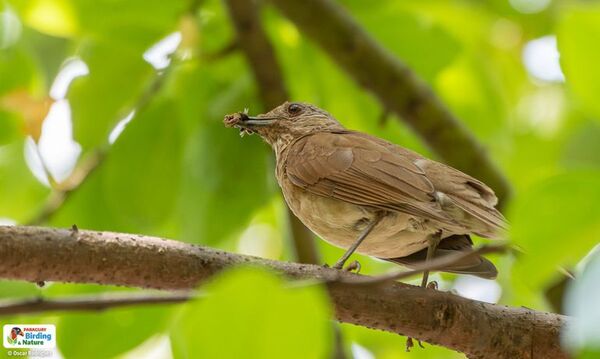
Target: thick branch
<point x="475" y="328"/>
<point x="260" y="55"/>
<point x="394" y="84"/>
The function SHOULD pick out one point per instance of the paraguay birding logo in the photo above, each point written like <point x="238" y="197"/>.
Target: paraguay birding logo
<point x="15" y="332"/>
<point x="29" y="336"/>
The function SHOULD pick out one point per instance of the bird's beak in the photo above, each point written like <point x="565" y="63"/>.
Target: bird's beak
<point x="256" y="121"/>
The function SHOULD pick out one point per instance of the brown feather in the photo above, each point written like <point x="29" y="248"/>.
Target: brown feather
<point x="477" y="265"/>
<point x="360" y="171"/>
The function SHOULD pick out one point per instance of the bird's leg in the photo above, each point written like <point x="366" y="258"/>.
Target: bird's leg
<point x="340" y="263"/>
<point x="434" y="240"/>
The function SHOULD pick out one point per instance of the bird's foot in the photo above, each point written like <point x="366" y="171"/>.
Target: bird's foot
<point x="354" y="266"/>
<point x="432" y="285"/>
<point x="410" y="344"/>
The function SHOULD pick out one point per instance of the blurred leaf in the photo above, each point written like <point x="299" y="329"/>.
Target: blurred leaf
<point x="411" y="37"/>
<point x="225" y="177"/>
<point x="556" y="221"/>
<point x="9" y="127"/>
<point x="49" y="53"/>
<point x="17" y="70"/>
<point x="132" y="24"/>
<point x="581" y="302"/>
<point x="20" y="192"/>
<point x="33" y="110"/>
<point x="53" y="17"/>
<point x="385" y="345"/>
<point x="216" y="30"/>
<point x="141" y="174"/>
<point x="16" y="289"/>
<point x="472" y="95"/>
<point x="10" y="27"/>
<point x="87" y="207"/>
<point x="225" y="180"/>
<point x="135" y="189"/>
<point x="578" y="32"/>
<point x="275" y="321"/>
<point x="111" y="332"/>
<point x="115" y="331"/>
<point x="118" y="76"/>
<point x="582" y="149"/>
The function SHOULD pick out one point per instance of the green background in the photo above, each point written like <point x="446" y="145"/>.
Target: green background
<point x="176" y="172"/>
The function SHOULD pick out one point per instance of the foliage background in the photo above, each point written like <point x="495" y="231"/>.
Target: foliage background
<point x="72" y="70"/>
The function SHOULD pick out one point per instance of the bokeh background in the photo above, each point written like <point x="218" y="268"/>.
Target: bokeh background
<point x="111" y="118"/>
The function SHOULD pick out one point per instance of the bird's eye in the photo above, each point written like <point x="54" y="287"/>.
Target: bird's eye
<point x="294" y="109"/>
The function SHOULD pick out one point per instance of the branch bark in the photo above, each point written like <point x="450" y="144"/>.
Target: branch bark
<point x="260" y="55"/>
<point x="394" y="85"/>
<point x="477" y="329"/>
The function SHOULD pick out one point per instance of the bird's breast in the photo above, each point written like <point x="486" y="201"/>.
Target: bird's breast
<point x="340" y="223"/>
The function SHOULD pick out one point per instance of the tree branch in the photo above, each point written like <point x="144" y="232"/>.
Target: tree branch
<point x="478" y="329"/>
<point x="258" y="50"/>
<point x="394" y="85"/>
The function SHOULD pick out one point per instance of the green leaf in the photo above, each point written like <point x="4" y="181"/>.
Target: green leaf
<point x="581" y="303"/>
<point x="109" y="333"/>
<point x="87" y="207"/>
<point x="410" y="37"/>
<point x="136" y="188"/>
<point x="105" y="96"/>
<point x="16" y="289"/>
<point x="582" y="149"/>
<point x="141" y="175"/>
<point x="225" y="178"/>
<point x="20" y="193"/>
<point x="578" y="32"/>
<point x="556" y="222"/>
<point x="9" y="128"/>
<point x="249" y="313"/>
<point x="17" y="69"/>
<point x="134" y="23"/>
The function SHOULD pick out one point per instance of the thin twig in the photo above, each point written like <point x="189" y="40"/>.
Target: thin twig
<point x="90" y="302"/>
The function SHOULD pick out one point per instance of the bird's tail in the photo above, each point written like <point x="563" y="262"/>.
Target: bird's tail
<point x="474" y="265"/>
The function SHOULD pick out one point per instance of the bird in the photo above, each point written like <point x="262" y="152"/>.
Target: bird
<point x="14" y="332"/>
<point x="370" y="196"/>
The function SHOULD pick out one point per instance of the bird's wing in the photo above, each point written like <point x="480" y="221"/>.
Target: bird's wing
<point x="467" y="193"/>
<point x="356" y="168"/>
<point x="460" y="191"/>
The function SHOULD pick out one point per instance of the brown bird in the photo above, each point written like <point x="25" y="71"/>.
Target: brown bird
<point x="365" y="194"/>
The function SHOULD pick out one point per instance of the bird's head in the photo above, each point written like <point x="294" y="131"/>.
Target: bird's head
<point x="284" y="123"/>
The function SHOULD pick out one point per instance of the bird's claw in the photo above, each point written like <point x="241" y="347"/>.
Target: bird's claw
<point x="432" y="285"/>
<point x="410" y="344"/>
<point x="353" y="266"/>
